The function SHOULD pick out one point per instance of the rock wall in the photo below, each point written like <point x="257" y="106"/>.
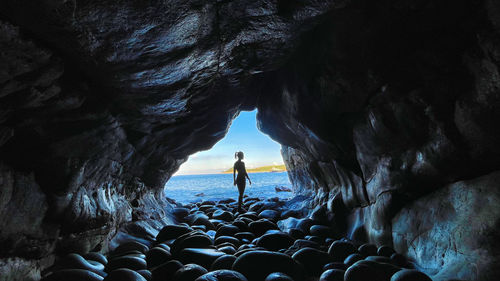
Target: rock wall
<point x="379" y="106"/>
<point x="385" y="106"/>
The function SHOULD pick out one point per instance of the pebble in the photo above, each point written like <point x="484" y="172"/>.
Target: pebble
<point x="165" y="271"/>
<point x="261" y="226"/>
<point x="227" y="230"/>
<point x="385" y="251"/>
<point x="223" y="262"/>
<point x="312" y="259"/>
<point x="332" y="275"/>
<point x="275" y="241"/>
<point x="124" y="274"/>
<point x="340" y="250"/>
<point x="189" y="272"/>
<point x="320" y="231"/>
<point x="171" y="232"/>
<point x="133" y="263"/>
<point x="257" y="265"/>
<point x="157" y="256"/>
<point x="222" y="275"/>
<point x="278" y="276"/>
<point x="203" y="257"/>
<point x="368" y="250"/>
<point x="352" y="258"/>
<point x="222" y="215"/>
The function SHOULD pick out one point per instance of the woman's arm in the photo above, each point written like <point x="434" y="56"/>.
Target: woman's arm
<point x="234" y="174"/>
<point x="248" y="178"/>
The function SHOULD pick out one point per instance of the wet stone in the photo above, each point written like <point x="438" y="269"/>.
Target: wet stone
<point x="275" y="241"/>
<point x="223" y="262"/>
<point x="332" y="275"/>
<point x="257" y="265"/>
<point x="227" y="230"/>
<point x="278" y="276"/>
<point x="157" y="256"/>
<point x="203" y="257"/>
<point x="222" y="215"/>
<point x="133" y="263"/>
<point x="312" y="259"/>
<point x="368" y="250"/>
<point x="222" y="275"/>
<point x="352" y="258"/>
<point x="410" y="275"/>
<point x="385" y="251"/>
<point x="165" y="271"/>
<point x="340" y="250"/>
<point x="189" y="272"/>
<point x="171" y="232"/>
<point x="124" y="274"/>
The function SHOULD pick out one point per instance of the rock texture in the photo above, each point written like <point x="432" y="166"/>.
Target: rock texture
<point x="378" y="105"/>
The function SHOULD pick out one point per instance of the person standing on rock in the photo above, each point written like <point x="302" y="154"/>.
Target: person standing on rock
<point x="240" y="180"/>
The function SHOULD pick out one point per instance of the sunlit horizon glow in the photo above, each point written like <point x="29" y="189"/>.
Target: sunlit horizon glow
<point x="260" y="149"/>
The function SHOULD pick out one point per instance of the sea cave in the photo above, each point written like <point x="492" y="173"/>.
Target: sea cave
<point x="386" y="111"/>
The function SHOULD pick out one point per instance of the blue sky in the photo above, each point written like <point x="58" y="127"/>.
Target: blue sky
<point x="259" y="149"/>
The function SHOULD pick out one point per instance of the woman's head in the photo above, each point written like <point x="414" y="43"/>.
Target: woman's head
<point x="239" y="155"/>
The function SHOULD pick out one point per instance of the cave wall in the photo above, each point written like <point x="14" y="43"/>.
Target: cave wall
<point x="383" y="108"/>
<point x="393" y="108"/>
<point x="101" y="101"/>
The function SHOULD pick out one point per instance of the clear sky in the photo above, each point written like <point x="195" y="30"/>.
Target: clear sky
<point x="259" y="149"/>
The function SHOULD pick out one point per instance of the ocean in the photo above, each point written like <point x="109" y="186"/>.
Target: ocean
<point x="194" y="188"/>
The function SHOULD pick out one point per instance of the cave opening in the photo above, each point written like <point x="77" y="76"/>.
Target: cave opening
<point x="207" y="175"/>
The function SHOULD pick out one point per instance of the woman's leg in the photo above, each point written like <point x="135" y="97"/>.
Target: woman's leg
<point x="241" y="189"/>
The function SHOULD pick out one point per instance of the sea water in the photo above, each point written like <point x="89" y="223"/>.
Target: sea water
<point x="194" y="188"/>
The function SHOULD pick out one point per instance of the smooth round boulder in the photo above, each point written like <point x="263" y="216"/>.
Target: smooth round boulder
<point x="320" y="231"/>
<point x="227" y="230"/>
<point x="278" y="276"/>
<point x="312" y="259"/>
<point x="133" y="263"/>
<point x="370" y="270"/>
<point x="148" y="275"/>
<point x="368" y="250"/>
<point x="191" y="241"/>
<point x="124" y="274"/>
<point x="189" y="272"/>
<point x="98" y="257"/>
<point x="228" y="250"/>
<point x="257" y="265"/>
<point x="157" y="256"/>
<point x="222" y="215"/>
<point x="270" y="215"/>
<point x="385" y="251"/>
<point x="222" y="275"/>
<point x="227" y="239"/>
<point x="171" y="232"/>
<point x="332" y="275"/>
<point x="275" y="241"/>
<point x="316" y="239"/>
<point x="245" y="235"/>
<point x="164" y="272"/>
<point x="75" y="261"/>
<point x="379" y="259"/>
<point x="335" y="265"/>
<point x="130" y="246"/>
<point x="352" y="258"/>
<point x="203" y="257"/>
<point x="241" y="225"/>
<point x="261" y="226"/>
<point x="223" y="262"/>
<point x="340" y="250"/>
<point x="73" y="275"/>
<point x="410" y="275"/>
<point x="202" y="219"/>
<point x="303" y="243"/>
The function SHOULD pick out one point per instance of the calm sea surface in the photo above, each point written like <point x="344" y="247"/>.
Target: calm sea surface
<point x="192" y="188"/>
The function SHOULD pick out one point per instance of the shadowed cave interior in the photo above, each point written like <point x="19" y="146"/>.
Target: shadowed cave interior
<point x="387" y="113"/>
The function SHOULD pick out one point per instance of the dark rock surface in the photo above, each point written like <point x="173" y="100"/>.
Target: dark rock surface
<point x="385" y="109"/>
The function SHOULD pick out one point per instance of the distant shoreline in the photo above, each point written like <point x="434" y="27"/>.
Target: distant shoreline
<point x="262" y="169"/>
<point x="227" y="173"/>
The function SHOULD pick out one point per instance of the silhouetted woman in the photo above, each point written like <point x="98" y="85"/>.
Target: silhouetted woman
<point x="240" y="179"/>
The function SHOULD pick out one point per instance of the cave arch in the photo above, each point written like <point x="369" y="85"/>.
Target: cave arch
<point x="386" y="110"/>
